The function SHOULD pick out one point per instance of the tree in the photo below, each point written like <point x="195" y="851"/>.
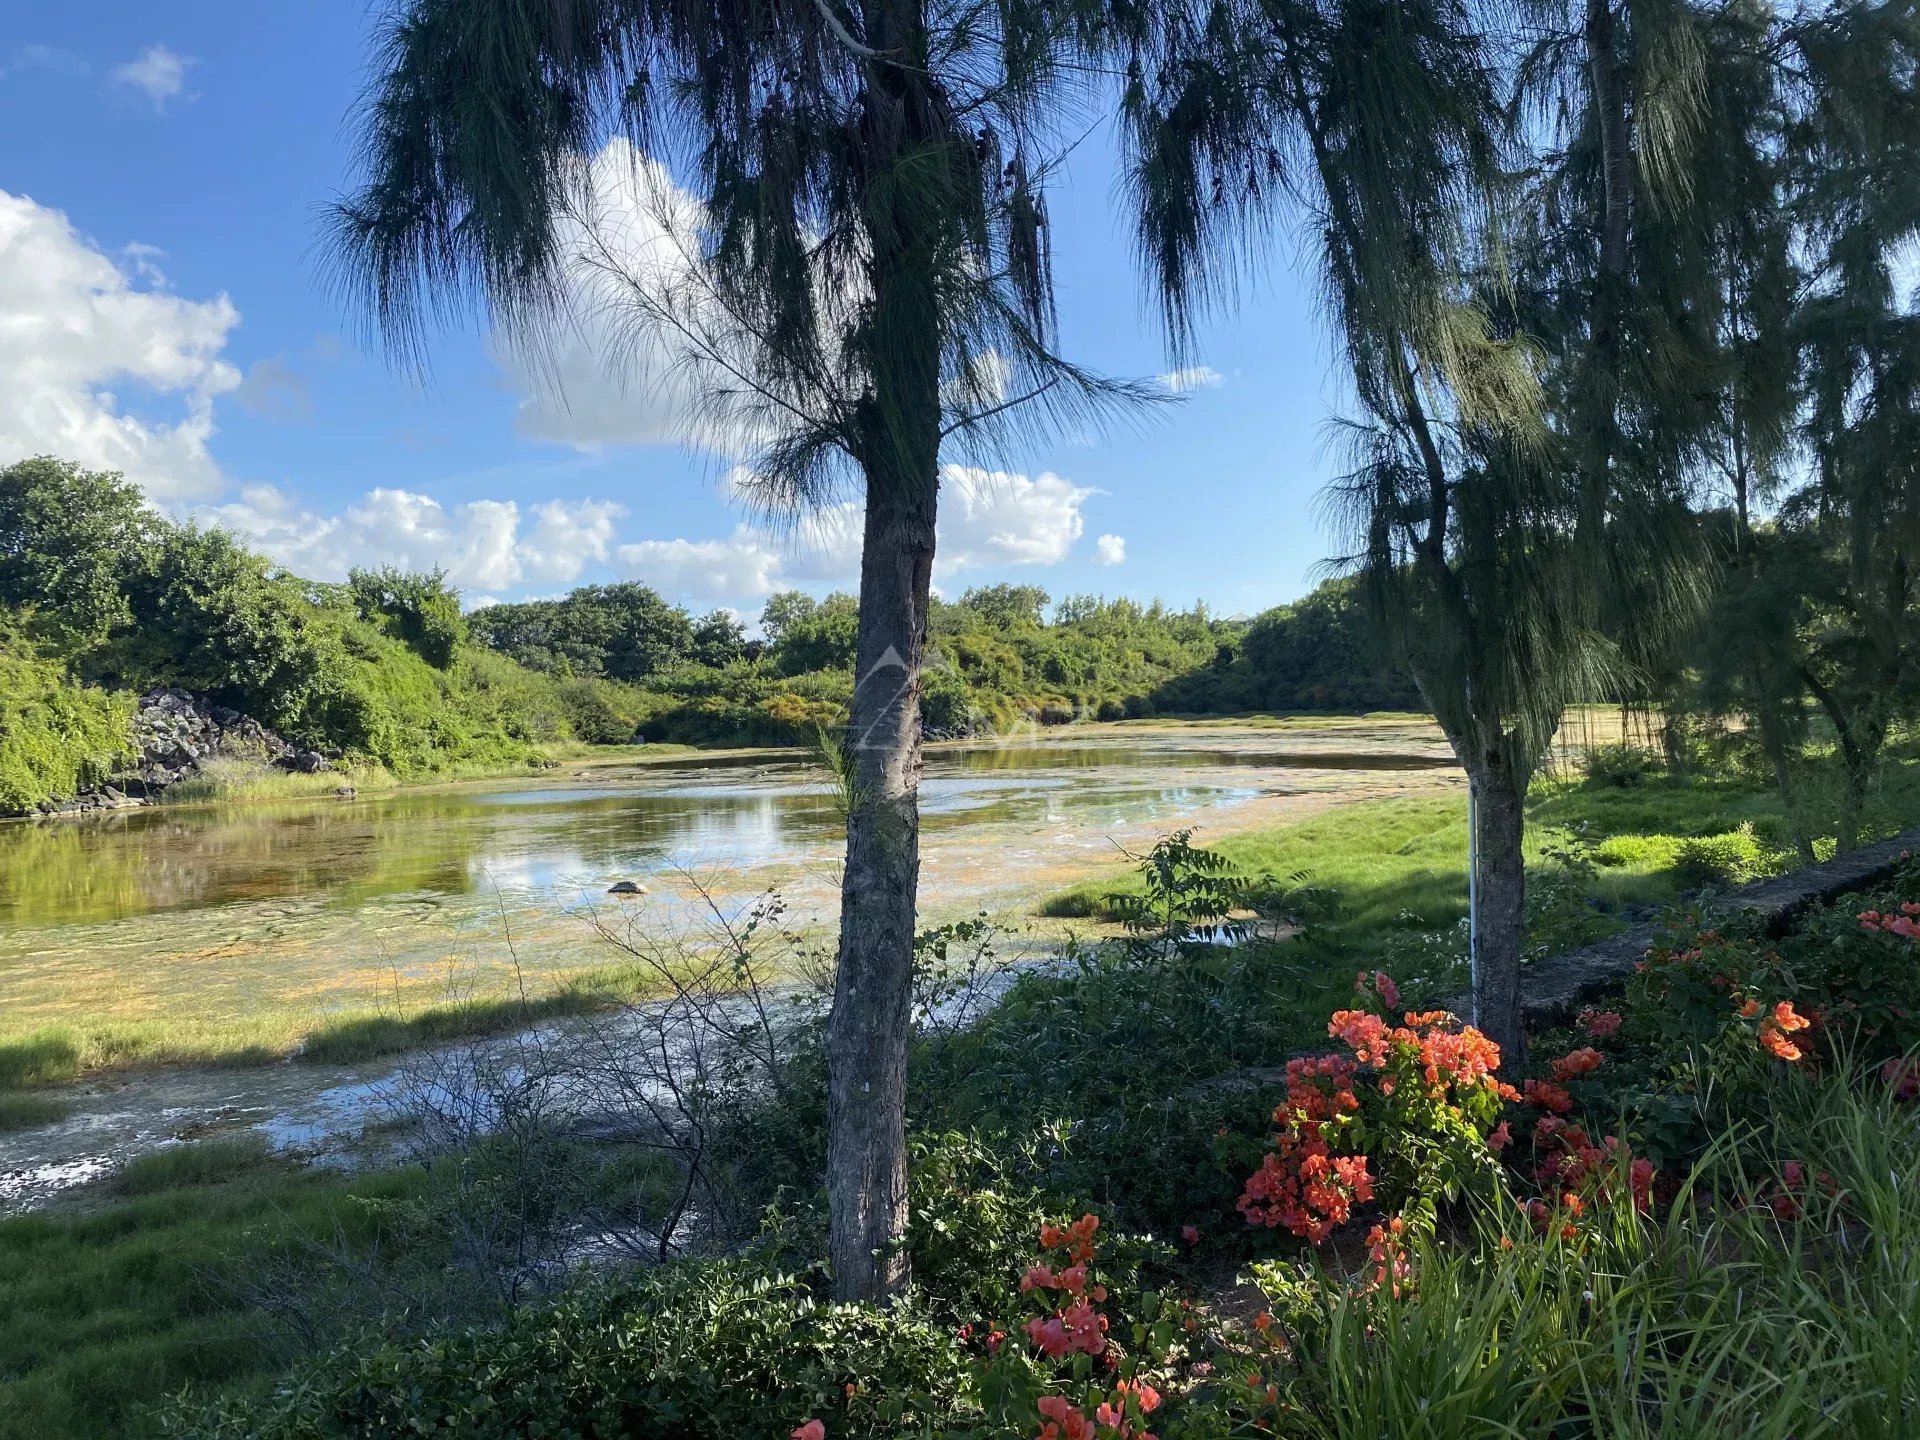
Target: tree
<point x="619" y="632"/>
<point x="1006" y="606"/>
<point x="68" y="537"/>
<point x="214" y="617"/>
<point x="1494" y="503"/>
<point x="823" y="636"/>
<point x="718" y="640"/>
<point x="423" y="610"/>
<point x="863" y="282"/>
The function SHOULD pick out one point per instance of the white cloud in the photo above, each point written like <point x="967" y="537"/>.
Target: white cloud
<point x="1111" y="549"/>
<point x="156" y="73"/>
<point x="1193" y="377"/>
<point x="988" y="519"/>
<point x="567" y="537"/>
<point x="274" y="390"/>
<point x="743" y="566"/>
<point x="991" y="517"/>
<point x="483" y="545"/>
<point x="48" y="57"/>
<point x="73" y="325"/>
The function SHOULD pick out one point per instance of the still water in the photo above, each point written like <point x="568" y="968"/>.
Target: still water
<point x="337" y="902"/>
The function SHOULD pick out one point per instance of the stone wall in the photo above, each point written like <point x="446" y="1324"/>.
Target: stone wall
<point x="1551" y="989"/>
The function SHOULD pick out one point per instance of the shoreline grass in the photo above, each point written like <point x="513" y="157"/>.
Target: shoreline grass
<point x="1400" y="863"/>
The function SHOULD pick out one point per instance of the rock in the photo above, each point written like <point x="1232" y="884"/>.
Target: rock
<point x="627" y="887"/>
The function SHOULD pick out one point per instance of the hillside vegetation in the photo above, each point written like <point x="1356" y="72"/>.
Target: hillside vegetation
<point x="101" y="599"/>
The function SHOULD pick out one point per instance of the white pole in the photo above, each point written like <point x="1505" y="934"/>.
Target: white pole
<point x="1473" y="900"/>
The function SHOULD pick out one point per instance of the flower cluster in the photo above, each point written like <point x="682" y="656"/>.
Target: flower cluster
<point x="1599" y="1024"/>
<point x="1904" y="922"/>
<point x="1389" y="1265"/>
<point x="1570" y="1162"/>
<point x="1075" y="1327"/>
<point x="1302" y="1184"/>
<point x="1428" y="1074"/>
<point x="1575" y="1063"/>
<point x="1902" y="1076"/>
<point x="1775" y="1026"/>
<point x="1786" y="1195"/>
<point x="1066" y="1283"/>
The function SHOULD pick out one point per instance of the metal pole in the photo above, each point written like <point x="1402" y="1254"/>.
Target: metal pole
<point x="1473" y="899"/>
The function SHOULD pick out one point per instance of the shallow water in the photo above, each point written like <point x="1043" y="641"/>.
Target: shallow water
<point x="326" y="905"/>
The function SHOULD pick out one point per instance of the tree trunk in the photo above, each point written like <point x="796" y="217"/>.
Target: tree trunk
<point x="867" y="1032"/>
<point x="898" y="447"/>
<point x="1500" y="894"/>
<point x="1773" y="742"/>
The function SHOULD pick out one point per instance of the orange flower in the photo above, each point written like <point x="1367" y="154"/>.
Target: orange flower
<point x="1778" y="1046"/>
<point x="1547" y="1096"/>
<point x="1578" y="1062"/>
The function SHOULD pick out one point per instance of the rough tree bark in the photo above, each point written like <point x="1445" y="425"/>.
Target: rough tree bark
<point x="1500" y="889"/>
<point x="873" y="984"/>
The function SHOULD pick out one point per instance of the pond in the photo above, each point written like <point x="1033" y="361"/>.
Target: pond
<point x="197" y="923"/>
<point x="333" y="903"/>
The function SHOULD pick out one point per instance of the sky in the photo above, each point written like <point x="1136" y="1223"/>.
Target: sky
<point x="166" y="311"/>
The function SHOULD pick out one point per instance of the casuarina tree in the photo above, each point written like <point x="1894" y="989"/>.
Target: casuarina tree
<point x="1478" y="265"/>
<point x="857" y="272"/>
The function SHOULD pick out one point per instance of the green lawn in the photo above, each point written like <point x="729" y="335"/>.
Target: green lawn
<point x="1401" y="864"/>
<point x="103" y="1313"/>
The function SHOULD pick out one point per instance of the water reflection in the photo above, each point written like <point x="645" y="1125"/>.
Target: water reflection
<point x="740" y="813"/>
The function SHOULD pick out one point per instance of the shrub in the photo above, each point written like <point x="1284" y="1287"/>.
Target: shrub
<point x="1625" y="767"/>
<point x="56" y="737"/>
<point x="1735" y="857"/>
<point x="710" y="1351"/>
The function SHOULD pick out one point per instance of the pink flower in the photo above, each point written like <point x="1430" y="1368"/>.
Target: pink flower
<point x="1389" y="992"/>
<point x="1190" y="1234"/>
<point x="1600" y="1024"/>
<point x="811" y="1430"/>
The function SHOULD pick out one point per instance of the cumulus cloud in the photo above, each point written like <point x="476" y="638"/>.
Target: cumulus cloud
<point x="991" y="517"/>
<point x="1110" y="549"/>
<point x="988" y="519"/>
<point x="157" y="74"/>
<point x="1193" y="377"/>
<point x="74" y="326"/>
<point x="483" y="545"/>
<point x="743" y="566"/>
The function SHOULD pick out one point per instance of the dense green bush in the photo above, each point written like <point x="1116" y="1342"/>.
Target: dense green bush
<point x="1736" y="857"/>
<point x="713" y="1351"/>
<point x="1319" y="653"/>
<point x="1625" y="767"/>
<point x="56" y="736"/>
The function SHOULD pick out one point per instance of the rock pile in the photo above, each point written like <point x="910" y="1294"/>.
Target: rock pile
<point x="176" y="731"/>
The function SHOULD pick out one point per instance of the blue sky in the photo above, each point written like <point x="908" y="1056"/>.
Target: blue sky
<point x="163" y="310"/>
